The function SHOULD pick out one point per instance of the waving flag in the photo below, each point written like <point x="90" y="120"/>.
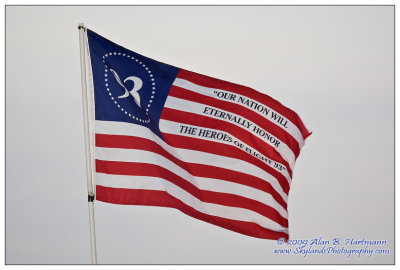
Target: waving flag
<point x="164" y="136"/>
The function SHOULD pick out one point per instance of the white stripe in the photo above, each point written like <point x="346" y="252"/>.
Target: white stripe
<point x="121" y="128"/>
<point x="171" y="127"/>
<point x="292" y="129"/>
<point x="203" y="183"/>
<point x="198" y="108"/>
<point x="154" y="183"/>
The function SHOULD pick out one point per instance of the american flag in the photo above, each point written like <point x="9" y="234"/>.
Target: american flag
<point x="164" y="136"/>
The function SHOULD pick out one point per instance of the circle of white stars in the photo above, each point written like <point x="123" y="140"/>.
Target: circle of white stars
<point x="153" y="85"/>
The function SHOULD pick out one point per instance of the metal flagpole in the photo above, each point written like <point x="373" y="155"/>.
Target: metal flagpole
<point x="82" y="33"/>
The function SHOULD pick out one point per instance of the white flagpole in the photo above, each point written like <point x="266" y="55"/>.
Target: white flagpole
<point x="82" y="32"/>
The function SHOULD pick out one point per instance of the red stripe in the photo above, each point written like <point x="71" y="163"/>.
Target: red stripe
<point x="163" y="199"/>
<point x="244" y="135"/>
<point x="268" y="126"/>
<point x="145" y="169"/>
<point x="210" y="82"/>
<point x="200" y="170"/>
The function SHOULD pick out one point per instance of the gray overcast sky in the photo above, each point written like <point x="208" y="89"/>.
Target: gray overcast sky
<point x="332" y="65"/>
